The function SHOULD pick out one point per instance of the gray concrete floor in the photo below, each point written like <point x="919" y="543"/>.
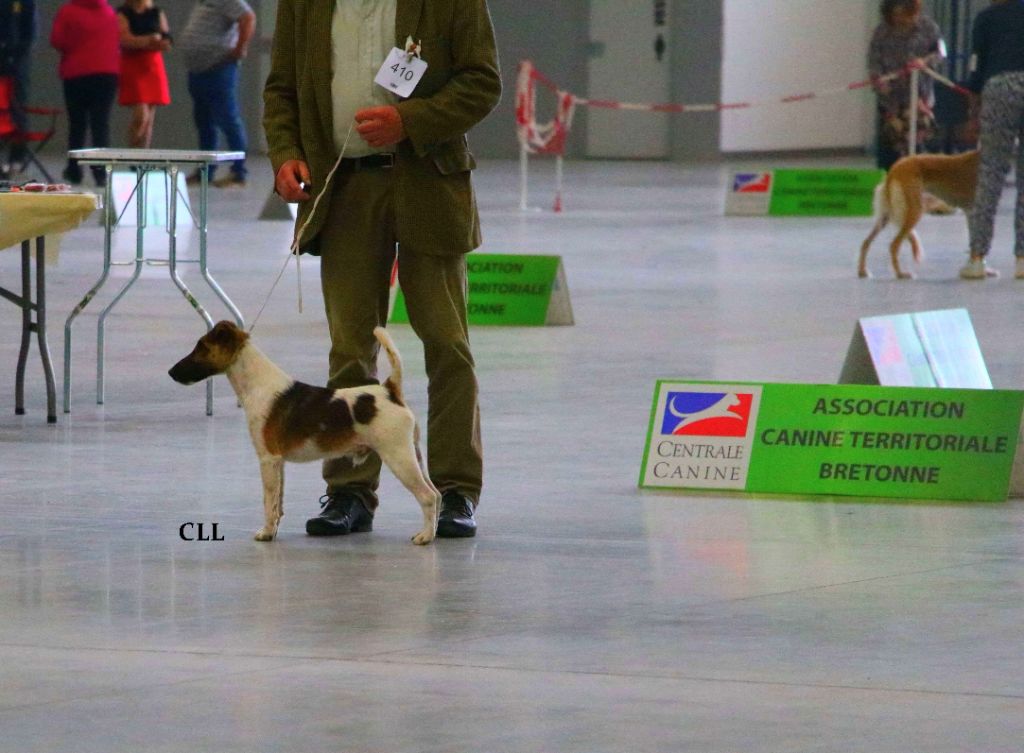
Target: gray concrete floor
<point x="588" y="615"/>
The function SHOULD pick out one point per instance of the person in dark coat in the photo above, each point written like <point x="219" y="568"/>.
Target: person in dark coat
<point x="18" y="28"/>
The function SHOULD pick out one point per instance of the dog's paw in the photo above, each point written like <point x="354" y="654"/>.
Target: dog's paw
<point x="264" y="535"/>
<point x="423" y="537"/>
<point x="863" y="274"/>
<point x="905" y="276"/>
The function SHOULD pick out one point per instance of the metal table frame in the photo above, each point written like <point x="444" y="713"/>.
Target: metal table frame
<point x="144" y="161"/>
<point x="27" y="306"/>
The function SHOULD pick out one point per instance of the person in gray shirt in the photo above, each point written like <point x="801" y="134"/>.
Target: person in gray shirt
<point x="214" y="41"/>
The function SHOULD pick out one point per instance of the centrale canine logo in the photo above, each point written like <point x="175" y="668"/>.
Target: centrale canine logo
<point x="707" y="414"/>
<point x="752" y="183"/>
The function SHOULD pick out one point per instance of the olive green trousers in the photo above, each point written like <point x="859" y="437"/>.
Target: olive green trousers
<point x="358" y="246"/>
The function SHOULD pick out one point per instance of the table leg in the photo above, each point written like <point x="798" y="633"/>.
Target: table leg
<point x="26" y="327"/>
<point x="202" y="260"/>
<point x="108" y="226"/>
<point x="40" y="327"/>
<point x="140" y="213"/>
<point x="204" y="271"/>
<point x="172" y="256"/>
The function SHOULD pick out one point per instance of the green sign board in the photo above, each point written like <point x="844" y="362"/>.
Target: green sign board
<point x="833" y="192"/>
<point x="864" y="441"/>
<point x="511" y="290"/>
<point x="823" y="193"/>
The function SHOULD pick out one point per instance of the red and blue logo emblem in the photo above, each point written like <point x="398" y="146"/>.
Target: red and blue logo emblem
<point x="707" y="414"/>
<point x="752" y="183"/>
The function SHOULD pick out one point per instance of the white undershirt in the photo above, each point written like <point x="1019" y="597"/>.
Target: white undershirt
<point x="362" y="36"/>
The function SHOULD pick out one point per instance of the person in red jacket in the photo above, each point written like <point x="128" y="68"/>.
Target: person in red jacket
<point x="86" y="34"/>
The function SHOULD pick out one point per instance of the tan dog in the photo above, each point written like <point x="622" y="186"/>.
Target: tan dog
<point x="292" y="421"/>
<point x="900" y="198"/>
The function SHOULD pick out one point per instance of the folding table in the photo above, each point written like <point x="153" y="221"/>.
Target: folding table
<point x="144" y="161"/>
<point x="25" y="216"/>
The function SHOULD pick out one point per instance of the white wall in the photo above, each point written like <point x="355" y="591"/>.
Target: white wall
<point x="776" y="48"/>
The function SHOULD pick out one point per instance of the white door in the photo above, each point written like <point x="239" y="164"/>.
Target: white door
<point x="630" y="54"/>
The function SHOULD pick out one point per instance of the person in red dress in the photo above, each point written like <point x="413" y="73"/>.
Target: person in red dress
<point x="145" y="36"/>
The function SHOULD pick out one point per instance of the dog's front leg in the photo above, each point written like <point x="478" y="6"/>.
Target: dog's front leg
<point x="272" y="472"/>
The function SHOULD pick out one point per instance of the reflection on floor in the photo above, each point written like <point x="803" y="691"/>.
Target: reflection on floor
<point x="588" y="615"/>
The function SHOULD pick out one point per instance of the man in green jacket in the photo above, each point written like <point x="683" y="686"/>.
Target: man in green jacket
<point x="403" y="186"/>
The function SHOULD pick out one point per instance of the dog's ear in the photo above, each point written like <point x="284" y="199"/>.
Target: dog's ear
<point x="222" y="330"/>
<point x="227" y="335"/>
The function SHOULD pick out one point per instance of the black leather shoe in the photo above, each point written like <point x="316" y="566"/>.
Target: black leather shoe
<point x="342" y="513"/>
<point x="456" y="519"/>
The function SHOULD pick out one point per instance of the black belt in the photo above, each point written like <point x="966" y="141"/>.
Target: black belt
<point x="383" y="161"/>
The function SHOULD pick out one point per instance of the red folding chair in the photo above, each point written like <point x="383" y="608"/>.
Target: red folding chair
<point x="11" y="135"/>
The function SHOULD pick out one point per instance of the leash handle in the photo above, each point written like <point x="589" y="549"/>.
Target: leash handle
<point x="294" y="250"/>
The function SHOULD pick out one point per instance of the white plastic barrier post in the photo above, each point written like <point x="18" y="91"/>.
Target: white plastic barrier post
<point x="915" y="77"/>
<point x="558" y="183"/>
<point x="524" y="168"/>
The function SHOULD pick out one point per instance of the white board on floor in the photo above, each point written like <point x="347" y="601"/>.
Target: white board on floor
<point x="921" y="349"/>
<point x="276" y="208"/>
<point x="124" y="185"/>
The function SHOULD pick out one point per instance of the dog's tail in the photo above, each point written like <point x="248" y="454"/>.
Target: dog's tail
<point x="394" y="381"/>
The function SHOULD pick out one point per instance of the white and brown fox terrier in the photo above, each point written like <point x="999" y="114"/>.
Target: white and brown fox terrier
<point x="900" y="198"/>
<point x="292" y="421"/>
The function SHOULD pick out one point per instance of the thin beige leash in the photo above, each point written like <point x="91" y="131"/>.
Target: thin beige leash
<point x="294" y="250"/>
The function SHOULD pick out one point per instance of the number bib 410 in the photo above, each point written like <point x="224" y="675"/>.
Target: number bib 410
<point x="401" y="73"/>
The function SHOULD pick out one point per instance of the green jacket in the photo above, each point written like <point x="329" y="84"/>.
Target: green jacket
<point x="434" y="199"/>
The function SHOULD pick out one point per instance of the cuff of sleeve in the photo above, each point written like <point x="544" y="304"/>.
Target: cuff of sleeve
<point x="410" y="111"/>
<point x="280" y="156"/>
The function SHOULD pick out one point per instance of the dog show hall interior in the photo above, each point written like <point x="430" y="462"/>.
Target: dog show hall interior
<point x="447" y="375"/>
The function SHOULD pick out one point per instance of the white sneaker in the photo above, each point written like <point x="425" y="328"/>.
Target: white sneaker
<point x="1019" y="270"/>
<point x="976" y="269"/>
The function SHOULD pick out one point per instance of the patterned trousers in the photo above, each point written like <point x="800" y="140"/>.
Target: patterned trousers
<point x="1002" y="124"/>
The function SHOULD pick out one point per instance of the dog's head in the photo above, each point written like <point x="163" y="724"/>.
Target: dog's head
<point x="213" y="354"/>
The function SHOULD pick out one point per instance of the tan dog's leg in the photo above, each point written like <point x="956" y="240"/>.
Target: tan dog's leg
<point x="894" y="252"/>
<point x="402" y="462"/>
<point x="910" y="193"/>
<point x="882" y="213"/>
<point x="862" y="265"/>
<point x="915" y="246"/>
<point x="272" y="472"/>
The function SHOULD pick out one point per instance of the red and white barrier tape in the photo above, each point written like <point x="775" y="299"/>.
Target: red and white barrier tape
<point x="550" y="137"/>
<point x="946" y="82"/>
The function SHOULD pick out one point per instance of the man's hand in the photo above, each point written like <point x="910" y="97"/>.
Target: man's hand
<point x="288" y="178"/>
<point x="380" y="126"/>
